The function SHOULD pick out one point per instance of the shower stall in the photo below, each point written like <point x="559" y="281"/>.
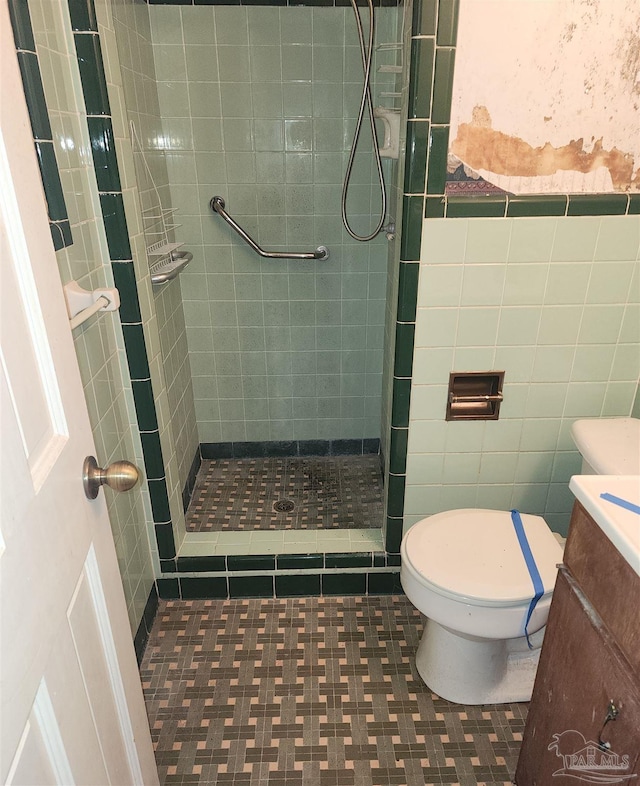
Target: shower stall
<point x="273" y="366"/>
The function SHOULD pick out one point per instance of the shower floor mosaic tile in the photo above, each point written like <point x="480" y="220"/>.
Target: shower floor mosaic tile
<point x="311" y="692"/>
<point x="334" y="492"/>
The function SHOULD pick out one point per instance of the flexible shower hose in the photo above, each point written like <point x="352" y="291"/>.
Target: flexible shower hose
<point x="366" y="54"/>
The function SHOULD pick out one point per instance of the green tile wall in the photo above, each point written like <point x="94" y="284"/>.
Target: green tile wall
<point x="258" y="106"/>
<point x="40" y="124"/>
<point x="490" y="315"/>
<point x="154" y="320"/>
<point x="99" y="341"/>
<point x="555" y="303"/>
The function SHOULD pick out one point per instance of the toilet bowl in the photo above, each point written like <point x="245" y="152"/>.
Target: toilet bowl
<point x="465" y="571"/>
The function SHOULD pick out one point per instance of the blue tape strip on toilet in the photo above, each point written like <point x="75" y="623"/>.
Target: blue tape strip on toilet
<point x="538" y="586"/>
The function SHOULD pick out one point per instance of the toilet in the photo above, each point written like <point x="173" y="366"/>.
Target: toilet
<point x="465" y="571"/>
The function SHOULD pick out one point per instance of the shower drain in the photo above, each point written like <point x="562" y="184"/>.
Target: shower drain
<point x="283" y="506"/>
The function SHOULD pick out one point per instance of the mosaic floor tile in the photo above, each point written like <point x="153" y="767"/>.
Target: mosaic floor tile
<point x="336" y="492"/>
<point x="311" y="692"/>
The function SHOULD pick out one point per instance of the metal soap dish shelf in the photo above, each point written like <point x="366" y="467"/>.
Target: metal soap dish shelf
<point x="166" y="260"/>
<point x="167" y="269"/>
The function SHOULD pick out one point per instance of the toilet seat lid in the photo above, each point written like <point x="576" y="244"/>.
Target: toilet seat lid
<point x="475" y="554"/>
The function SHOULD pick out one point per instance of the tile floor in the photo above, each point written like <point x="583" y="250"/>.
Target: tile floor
<point x="312" y="492"/>
<point x="311" y="692"/>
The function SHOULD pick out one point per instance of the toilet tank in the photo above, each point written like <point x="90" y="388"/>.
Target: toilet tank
<point x="609" y="446"/>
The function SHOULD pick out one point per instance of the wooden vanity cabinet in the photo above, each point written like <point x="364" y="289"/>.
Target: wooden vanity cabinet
<point x="589" y="657"/>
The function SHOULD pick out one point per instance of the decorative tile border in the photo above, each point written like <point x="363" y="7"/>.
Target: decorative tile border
<point x="99" y="121"/>
<point x="311" y="447"/>
<point x="280" y="3"/>
<point x="280" y="585"/>
<point x="59" y="225"/>
<point x="285" y="562"/>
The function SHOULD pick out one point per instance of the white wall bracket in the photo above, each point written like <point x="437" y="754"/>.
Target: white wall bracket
<point x="82" y="303"/>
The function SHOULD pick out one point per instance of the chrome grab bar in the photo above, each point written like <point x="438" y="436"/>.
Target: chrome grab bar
<point x="217" y="204"/>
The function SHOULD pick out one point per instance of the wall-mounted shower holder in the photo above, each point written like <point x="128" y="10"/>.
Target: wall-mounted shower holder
<point x="391" y="122"/>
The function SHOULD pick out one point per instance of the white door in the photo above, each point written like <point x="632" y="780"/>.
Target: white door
<point x="71" y="703"/>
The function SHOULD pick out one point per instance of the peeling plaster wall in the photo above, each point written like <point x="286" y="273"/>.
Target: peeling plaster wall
<point x="546" y="95"/>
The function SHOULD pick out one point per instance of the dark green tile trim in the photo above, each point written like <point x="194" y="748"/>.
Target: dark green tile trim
<point x="83" y="16"/>
<point x="477" y="207"/>
<point x="344" y="584"/>
<point x="160" y="503"/>
<point x="403" y="358"/>
<point x="205" y="588"/>
<point x="437" y="163"/>
<point x="153" y="463"/>
<point x="299" y="561"/>
<point x="443" y="85"/>
<point x="597" y="205"/>
<point x="145" y="407"/>
<point x="411" y="238"/>
<point x="424" y="17"/>
<point x="51" y="181"/>
<point x="34" y="94"/>
<point x="395" y="494"/>
<point x="278" y="3"/>
<point x="146" y="622"/>
<point x="634" y="205"/>
<point x="168" y="589"/>
<point x="394" y="559"/>
<point x="408" y="290"/>
<point x="136" y="352"/>
<point x="297" y="586"/>
<point x="196" y="564"/>
<point x="379" y="559"/>
<point x="384" y="584"/>
<point x="521" y="206"/>
<point x="393" y="537"/>
<point x="94" y="84"/>
<point x="168" y="566"/>
<point x="362" y="559"/>
<point x="400" y="403"/>
<point x="166" y="543"/>
<point x="247" y="562"/>
<point x="59" y="226"/>
<point x="415" y="170"/>
<point x="124" y="277"/>
<point x="60" y="234"/>
<point x="251" y="587"/>
<point x="434" y="207"/>
<point x="104" y="153"/>
<point x="447" y="22"/>
<point x="21" y="25"/>
<point x="56" y="236"/>
<point x="115" y="225"/>
<point x="421" y="78"/>
<point x="398" y="451"/>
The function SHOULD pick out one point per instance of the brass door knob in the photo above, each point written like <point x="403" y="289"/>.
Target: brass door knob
<point x="119" y="476"/>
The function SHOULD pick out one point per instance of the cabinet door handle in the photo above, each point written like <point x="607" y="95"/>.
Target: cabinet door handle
<point x="612" y="714"/>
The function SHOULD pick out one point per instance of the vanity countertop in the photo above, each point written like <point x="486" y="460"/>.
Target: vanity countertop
<point x="620" y="524"/>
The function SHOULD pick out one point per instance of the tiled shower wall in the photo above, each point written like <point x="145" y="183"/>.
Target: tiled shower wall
<point x="98" y="342"/>
<point x="555" y="303"/>
<point x="258" y="106"/>
<point x="164" y="318"/>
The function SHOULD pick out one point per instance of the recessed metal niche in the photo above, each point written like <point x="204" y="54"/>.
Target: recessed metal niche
<point x="474" y="395"/>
